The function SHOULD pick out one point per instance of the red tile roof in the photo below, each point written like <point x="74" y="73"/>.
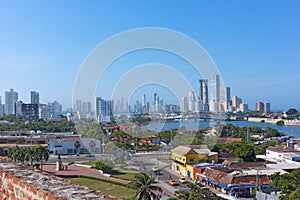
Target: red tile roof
<point x="281" y="149"/>
<point x="230" y="180"/>
<point x="229" y="140"/>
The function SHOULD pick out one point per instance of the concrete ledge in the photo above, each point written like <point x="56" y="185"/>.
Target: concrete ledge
<point x="20" y="182"/>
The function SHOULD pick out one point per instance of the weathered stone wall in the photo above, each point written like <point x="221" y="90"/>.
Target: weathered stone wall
<point x="18" y="182"/>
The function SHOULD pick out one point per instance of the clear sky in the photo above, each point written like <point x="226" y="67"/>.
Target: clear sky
<point x="255" y="44"/>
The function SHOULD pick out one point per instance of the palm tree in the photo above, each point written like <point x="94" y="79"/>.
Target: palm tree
<point x="42" y="154"/>
<point x="77" y="146"/>
<point x="16" y="154"/>
<point x="146" y="189"/>
<point x="30" y="155"/>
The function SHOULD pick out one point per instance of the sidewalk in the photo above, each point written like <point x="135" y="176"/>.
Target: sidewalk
<point x="74" y="170"/>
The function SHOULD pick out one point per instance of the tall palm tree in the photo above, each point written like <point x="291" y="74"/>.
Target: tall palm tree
<point x="42" y="153"/>
<point x="146" y="189"/>
<point x="30" y="155"/>
<point x="16" y="154"/>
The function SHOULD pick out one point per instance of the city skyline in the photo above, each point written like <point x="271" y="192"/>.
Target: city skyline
<point x="254" y="44"/>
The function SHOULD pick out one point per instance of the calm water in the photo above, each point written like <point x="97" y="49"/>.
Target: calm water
<point x="198" y="124"/>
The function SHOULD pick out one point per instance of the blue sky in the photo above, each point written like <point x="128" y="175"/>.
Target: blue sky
<point x="255" y="44"/>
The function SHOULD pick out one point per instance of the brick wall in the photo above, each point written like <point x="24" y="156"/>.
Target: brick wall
<point x="18" y="182"/>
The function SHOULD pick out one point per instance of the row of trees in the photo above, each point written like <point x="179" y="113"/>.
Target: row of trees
<point x="34" y="154"/>
<point x="44" y="126"/>
<point x="244" y="151"/>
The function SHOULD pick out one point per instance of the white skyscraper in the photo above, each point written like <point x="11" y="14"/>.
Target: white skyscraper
<point x="184" y="106"/>
<point x="192" y="101"/>
<point x="225" y="97"/>
<point x="214" y="87"/>
<point x="203" y="94"/>
<point x="11" y="99"/>
<point x="103" y="110"/>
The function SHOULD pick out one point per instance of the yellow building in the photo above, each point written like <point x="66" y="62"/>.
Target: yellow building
<point x="184" y="156"/>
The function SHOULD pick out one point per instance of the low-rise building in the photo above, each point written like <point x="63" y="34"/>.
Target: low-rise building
<point x="65" y="145"/>
<point x="232" y="184"/>
<point x="183" y="158"/>
<point x="279" y="153"/>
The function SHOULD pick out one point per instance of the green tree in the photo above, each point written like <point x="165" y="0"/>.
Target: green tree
<point x="270" y="132"/>
<point x="30" y="155"/>
<point x="291" y="111"/>
<point x="146" y="188"/>
<point x="288" y="183"/>
<point x="245" y="153"/>
<point x="195" y="193"/>
<point x="42" y="154"/>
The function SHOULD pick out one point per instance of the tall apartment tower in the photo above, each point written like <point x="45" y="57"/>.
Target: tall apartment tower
<point x="227" y="97"/>
<point x="260" y="106"/>
<point x="267" y="107"/>
<point x="1" y="108"/>
<point x="214" y="85"/>
<point x="236" y="101"/>
<point x="192" y="101"/>
<point x="11" y="98"/>
<point x="103" y="110"/>
<point x="203" y="94"/>
<point x="35" y="97"/>
<point x="184" y="106"/>
<point x="144" y="104"/>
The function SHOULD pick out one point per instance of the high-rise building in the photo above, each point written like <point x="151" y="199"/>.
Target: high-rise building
<point x="45" y="112"/>
<point x="267" y="107"/>
<point x="184" y="106"/>
<point x="260" y="106"/>
<point x="57" y="107"/>
<point x="1" y="108"/>
<point x="192" y="101"/>
<point x="35" y="97"/>
<point x="30" y="112"/>
<point x="213" y="106"/>
<point x="203" y="94"/>
<point x="199" y="106"/>
<point x="225" y="96"/>
<point x="244" y="107"/>
<point x="214" y="86"/>
<point x="103" y="110"/>
<point x="236" y="101"/>
<point x="11" y="98"/>
<point x="156" y="105"/>
<point x="144" y="104"/>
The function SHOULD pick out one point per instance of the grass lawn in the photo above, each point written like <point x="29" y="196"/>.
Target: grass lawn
<point x="107" y="188"/>
<point x="125" y="174"/>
